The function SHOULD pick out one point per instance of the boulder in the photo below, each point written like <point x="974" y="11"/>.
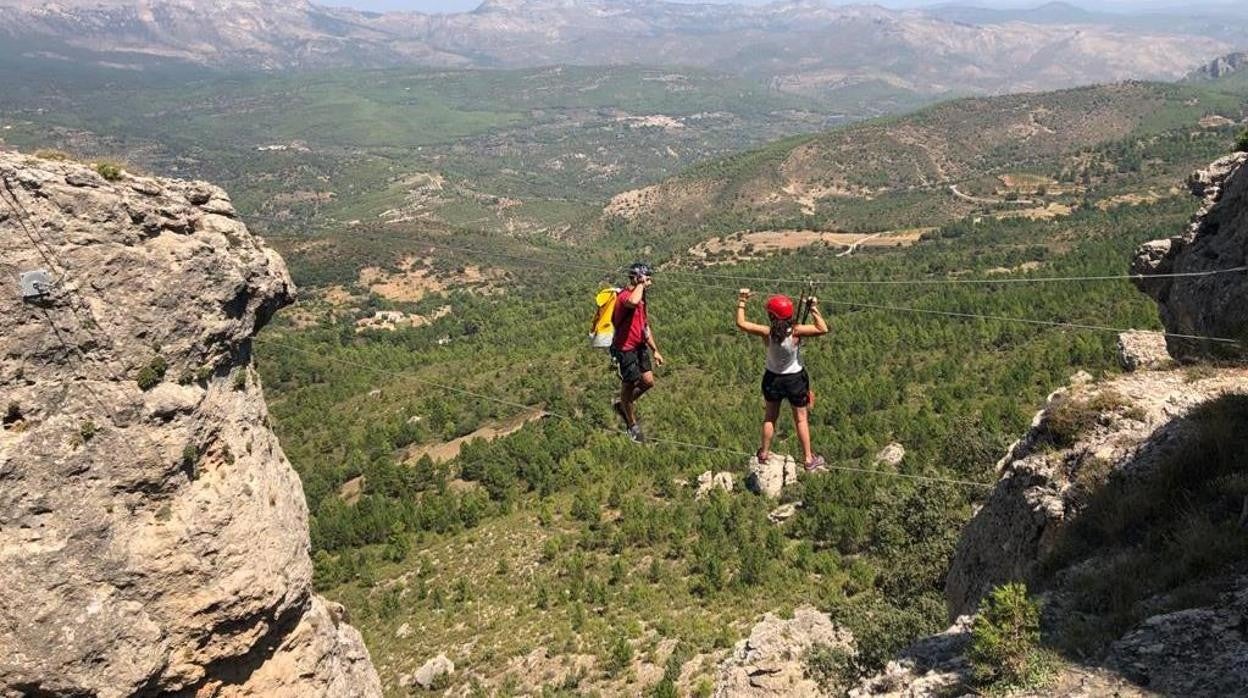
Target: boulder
<point x="891" y="455"/>
<point x="154" y="537"/>
<point x="1209" y="306"/>
<point x="769" y="478"/>
<point x="432" y="672"/>
<point x="709" y="481"/>
<point x="772" y="661"/>
<point x="784" y="512"/>
<point x="1142" y="351"/>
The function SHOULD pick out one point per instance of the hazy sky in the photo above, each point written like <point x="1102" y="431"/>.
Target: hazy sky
<point x="452" y="5"/>
<point x="465" y="5"/>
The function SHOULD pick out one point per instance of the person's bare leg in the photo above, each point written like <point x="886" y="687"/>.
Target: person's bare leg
<point x="646" y="383"/>
<point x="771" y="414"/>
<point x="627" y="390"/>
<point x="801" y="418"/>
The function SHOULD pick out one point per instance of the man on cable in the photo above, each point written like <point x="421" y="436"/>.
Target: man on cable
<point x="634" y="346"/>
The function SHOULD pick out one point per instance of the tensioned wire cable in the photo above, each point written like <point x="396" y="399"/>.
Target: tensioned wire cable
<point x="862" y="282"/>
<point x="892" y="308"/>
<point x="859" y="282"/>
<point x="574" y="420"/>
<point x="49" y="256"/>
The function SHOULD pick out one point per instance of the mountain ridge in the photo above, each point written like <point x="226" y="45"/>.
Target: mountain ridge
<point x="801" y="46"/>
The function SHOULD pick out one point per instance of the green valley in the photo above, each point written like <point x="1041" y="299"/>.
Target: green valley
<point x="449" y="229"/>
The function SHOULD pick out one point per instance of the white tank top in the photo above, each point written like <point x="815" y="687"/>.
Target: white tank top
<point x="784" y="357"/>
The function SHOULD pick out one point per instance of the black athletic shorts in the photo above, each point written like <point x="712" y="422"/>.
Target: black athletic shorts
<point x="794" y="387"/>
<point x="633" y="363"/>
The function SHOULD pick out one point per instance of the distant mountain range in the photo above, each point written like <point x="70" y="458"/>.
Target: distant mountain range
<point x="864" y="54"/>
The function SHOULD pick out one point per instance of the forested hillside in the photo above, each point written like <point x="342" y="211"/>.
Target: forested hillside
<point x="561" y="557"/>
<point x="898" y="173"/>
<point x="524" y="153"/>
<point x="470" y="491"/>
<point x="568" y="538"/>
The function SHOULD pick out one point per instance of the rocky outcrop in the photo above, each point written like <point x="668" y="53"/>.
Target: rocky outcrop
<point x="933" y="666"/>
<point x="770" y="477"/>
<point x="1132" y="433"/>
<point x="154" y="537"/>
<point x="434" y="671"/>
<point x="1131" y="423"/>
<point x="710" y="481"/>
<point x="772" y="661"/>
<point x="891" y="455"/>
<point x="1128" y="426"/>
<point x="1222" y="66"/>
<point x="1216" y="240"/>
<point x="1199" y="651"/>
<point x="1142" y="351"/>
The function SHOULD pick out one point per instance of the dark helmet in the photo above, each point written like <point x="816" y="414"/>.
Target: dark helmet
<point x="639" y="270"/>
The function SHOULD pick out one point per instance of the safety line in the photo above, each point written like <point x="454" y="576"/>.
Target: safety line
<point x="620" y="432"/>
<point x="961" y="281"/>
<point x="50" y="257"/>
<point x="979" y="316"/>
<point x="1029" y="321"/>
<point x="21" y="221"/>
<point x="904" y="309"/>
<point x="854" y="282"/>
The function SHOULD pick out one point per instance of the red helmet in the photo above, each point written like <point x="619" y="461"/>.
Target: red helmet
<point x="780" y="307"/>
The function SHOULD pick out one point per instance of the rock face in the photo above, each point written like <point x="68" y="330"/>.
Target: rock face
<point x="772" y="476"/>
<point x="1019" y="523"/>
<point x="1201" y="651"/>
<point x="1222" y="66"/>
<point x="772" y="661"/>
<point x="1217" y="239"/>
<point x="154" y="537"/>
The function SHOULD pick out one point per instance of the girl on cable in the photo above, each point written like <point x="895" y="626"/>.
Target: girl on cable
<point x="785" y="377"/>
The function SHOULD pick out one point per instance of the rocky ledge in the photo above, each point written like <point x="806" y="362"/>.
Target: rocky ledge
<point x="153" y="535"/>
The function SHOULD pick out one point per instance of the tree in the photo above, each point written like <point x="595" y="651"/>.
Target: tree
<point x="1006" y="638"/>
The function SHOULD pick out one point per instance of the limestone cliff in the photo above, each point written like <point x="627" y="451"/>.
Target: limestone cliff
<point x="1217" y="239"/>
<point x="153" y="536"/>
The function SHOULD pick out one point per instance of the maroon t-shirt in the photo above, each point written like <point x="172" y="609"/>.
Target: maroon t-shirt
<point x="630" y="323"/>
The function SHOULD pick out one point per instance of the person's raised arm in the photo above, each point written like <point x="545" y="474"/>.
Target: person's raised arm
<point x="632" y="300"/>
<point x="819" y="327"/>
<point x="745" y="325"/>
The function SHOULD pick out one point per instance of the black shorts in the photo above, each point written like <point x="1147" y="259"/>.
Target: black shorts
<point x="633" y="364"/>
<point x="794" y="387"/>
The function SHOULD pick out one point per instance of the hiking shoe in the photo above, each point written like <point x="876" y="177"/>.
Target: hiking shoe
<point x="761" y="457"/>
<point x="815" y="463"/>
<point x="619" y="409"/>
<point x="634" y="433"/>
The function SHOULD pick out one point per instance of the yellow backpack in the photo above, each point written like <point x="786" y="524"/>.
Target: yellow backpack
<point x="602" y="331"/>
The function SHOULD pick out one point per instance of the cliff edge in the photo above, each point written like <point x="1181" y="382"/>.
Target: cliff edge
<point x="154" y="537"/>
<point x="1215" y="241"/>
